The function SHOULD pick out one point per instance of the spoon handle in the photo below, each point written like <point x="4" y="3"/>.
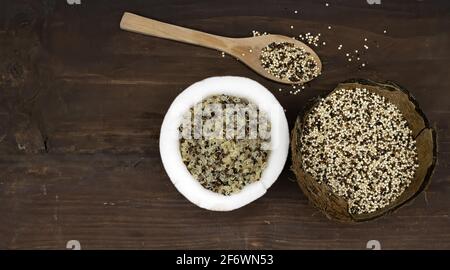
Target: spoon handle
<point x="138" y="24"/>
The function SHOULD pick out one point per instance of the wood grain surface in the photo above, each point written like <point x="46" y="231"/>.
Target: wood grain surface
<point x="81" y="104"/>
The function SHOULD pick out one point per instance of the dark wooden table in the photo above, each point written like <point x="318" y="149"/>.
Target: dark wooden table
<point x="81" y="104"/>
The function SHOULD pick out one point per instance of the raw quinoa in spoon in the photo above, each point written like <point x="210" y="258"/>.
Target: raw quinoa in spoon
<point x="276" y="57"/>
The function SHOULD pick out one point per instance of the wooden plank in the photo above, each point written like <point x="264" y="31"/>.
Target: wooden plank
<point x="81" y="104"/>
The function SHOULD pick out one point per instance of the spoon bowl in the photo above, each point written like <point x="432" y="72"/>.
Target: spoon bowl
<point x="248" y="51"/>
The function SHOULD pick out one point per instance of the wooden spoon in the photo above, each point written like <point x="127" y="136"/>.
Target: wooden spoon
<point x="247" y="50"/>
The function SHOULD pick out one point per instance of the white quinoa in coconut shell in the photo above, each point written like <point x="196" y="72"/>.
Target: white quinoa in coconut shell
<point x="334" y="198"/>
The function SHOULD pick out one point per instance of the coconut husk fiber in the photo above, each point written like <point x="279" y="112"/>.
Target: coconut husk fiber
<point x="335" y="207"/>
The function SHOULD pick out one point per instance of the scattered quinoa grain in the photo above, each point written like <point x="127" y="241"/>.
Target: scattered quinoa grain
<point x="310" y="39"/>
